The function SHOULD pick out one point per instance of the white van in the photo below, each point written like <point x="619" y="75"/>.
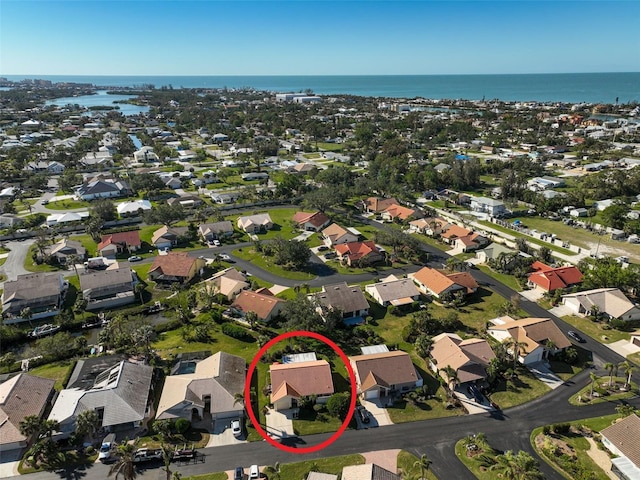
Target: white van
<point x="254" y="472"/>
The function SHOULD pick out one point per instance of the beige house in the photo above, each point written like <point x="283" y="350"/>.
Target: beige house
<point x="290" y="381"/>
<point x="208" y="392"/>
<point x="175" y="267"/>
<point x="468" y="358"/>
<point x="228" y="282"/>
<point x="215" y="231"/>
<point x="533" y="333"/>
<point x="334" y="234"/>
<point x="259" y="223"/>
<point x="20" y="397"/>
<point x="382" y="374"/>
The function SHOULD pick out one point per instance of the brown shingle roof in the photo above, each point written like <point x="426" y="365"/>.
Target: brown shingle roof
<point x="467" y="357"/>
<point x="259" y="303"/>
<point x="535" y="331"/>
<point x="387" y="368"/>
<point x="625" y="436"/>
<point x="129" y="239"/>
<point x="173" y="264"/>
<point x="304" y="378"/>
<point x="21" y="396"/>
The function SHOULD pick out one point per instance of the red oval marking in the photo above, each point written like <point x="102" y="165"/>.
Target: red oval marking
<point x="247" y="392"/>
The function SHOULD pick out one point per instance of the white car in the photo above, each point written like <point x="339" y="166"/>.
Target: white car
<point x="105" y="449"/>
<point x="236" y="428"/>
<point x="217" y="243"/>
<point x="254" y="472"/>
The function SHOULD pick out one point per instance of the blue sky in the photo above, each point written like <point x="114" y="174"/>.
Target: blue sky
<point x="238" y="37"/>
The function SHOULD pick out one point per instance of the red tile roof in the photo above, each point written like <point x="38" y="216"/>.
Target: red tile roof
<point x="455" y="231"/>
<point x="550" y="279"/>
<point x="376" y="204"/>
<point x="316" y="219"/>
<point x="398" y="211"/>
<point x="356" y="250"/>
<point x="129" y="239"/>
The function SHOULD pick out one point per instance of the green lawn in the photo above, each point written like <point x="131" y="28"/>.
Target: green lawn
<point x="509" y="280"/>
<point x="58" y="371"/>
<point x="408" y="469"/>
<point x="282" y="223"/>
<point x="2" y="260"/>
<point x="208" y="476"/>
<point x="311" y="423"/>
<point x="472" y="463"/>
<point x="66" y="204"/>
<point x="30" y="265"/>
<point x="603" y="382"/>
<point x="524" y="388"/>
<point x="330" y="147"/>
<point x="333" y="465"/>
<point x="529" y="238"/>
<point x="597" y="330"/>
<point x="259" y="260"/>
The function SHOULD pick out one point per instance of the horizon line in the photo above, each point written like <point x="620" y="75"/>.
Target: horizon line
<point x="300" y="75"/>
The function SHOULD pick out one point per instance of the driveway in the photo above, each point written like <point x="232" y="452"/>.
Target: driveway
<point x="561" y="311"/>
<point x="14" y="265"/>
<point x="532" y="295"/>
<point x="545" y="375"/>
<point x="9" y="461"/>
<point x="222" y="434"/>
<point x="280" y="423"/>
<point x="624" y="347"/>
<point x="379" y="414"/>
<point x="470" y="403"/>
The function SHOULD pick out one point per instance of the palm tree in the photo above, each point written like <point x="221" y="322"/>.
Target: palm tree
<point x="593" y="378"/>
<point x="48" y="427"/>
<point x="166" y="458"/>
<point x="139" y="289"/>
<point x="124" y="464"/>
<point x="515" y="345"/>
<point x="238" y="398"/>
<point x="628" y="371"/>
<point x="87" y="423"/>
<point x="72" y="260"/>
<point x="273" y="471"/>
<point x="26" y="314"/>
<point x="30" y="425"/>
<point x="424" y="463"/>
<point x="609" y="366"/>
<point x="549" y="346"/>
<point x="452" y="377"/>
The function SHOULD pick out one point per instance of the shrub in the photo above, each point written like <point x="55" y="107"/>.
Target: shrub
<point x="546" y="430"/>
<point x="89" y="450"/>
<point x="561" y="428"/>
<point x="235" y="331"/>
<point x="182" y="425"/>
<point x="338" y="404"/>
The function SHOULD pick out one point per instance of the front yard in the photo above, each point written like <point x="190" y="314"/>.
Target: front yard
<point x="600" y="331"/>
<point x="518" y="390"/>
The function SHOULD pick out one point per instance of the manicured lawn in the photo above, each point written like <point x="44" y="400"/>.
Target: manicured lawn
<point x="208" y="476"/>
<point x="635" y="358"/>
<point x="529" y="238"/>
<point x="596" y="330"/>
<point x="259" y="260"/>
<point x="66" y="204"/>
<point x="472" y="463"/>
<point x="197" y="438"/>
<point x="30" y="265"/>
<point x="282" y="222"/>
<point x="524" y="388"/>
<point x="333" y="465"/>
<point x="330" y="147"/>
<point x="310" y="423"/>
<point x="603" y="382"/>
<point x="58" y="371"/>
<point x="509" y="280"/>
<point x="407" y="468"/>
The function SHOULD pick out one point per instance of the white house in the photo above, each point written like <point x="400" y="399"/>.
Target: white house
<point x="136" y="207"/>
<point x="488" y="205"/>
<point x="608" y="301"/>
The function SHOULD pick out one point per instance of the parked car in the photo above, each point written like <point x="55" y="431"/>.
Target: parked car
<point x="238" y="473"/>
<point x="105" y="449"/>
<point x="254" y="472"/>
<point x="217" y="243"/>
<point x="477" y="395"/>
<point x="575" y="336"/>
<point x="323" y="248"/>
<point x="134" y="258"/>
<point x="363" y="414"/>
<point x="236" y="428"/>
<point x="330" y="255"/>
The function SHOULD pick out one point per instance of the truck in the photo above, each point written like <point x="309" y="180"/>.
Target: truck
<point x="147" y="454"/>
<point x="96" y="263"/>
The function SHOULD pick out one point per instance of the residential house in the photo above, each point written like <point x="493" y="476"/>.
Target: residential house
<point x="108" y="288"/>
<point x="129" y="209"/>
<point x="170" y="181"/>
<point x="393" y="291"/>
<point x="66" y="219"/>
<point x="399" y="213"/>
<point x="167" y="237"/>
<point x="302" y="168"/>
<point x="368" y="471"/>
<point x="463" y="239"/>
<point x="228" y="282"/>
<point x="118" y="390"/>
<point x="622" y="439"/>
<point x="468" y="358"/>
<point x="145" y="154"/>
<point x="491" y="206"/>
<point x="548" y="279"/>
<point x="186" y="201"/>
<point x="311" y="222"/>
<point x="247" y="177"/>
<point x="290" y="381"/>
<point x="359" y="253"/>
<point x="493" y="252"/>
<point x="440" y="284"/>
<point x="8" y="220"/>
<point x="259" y="223"/>
<point x="377" y="205"/>
<point x="215" y="231"/>
<point x="42" y="293"/>
<point x="265" y="306"/>
<point x="385" y="373"/>
<point x="334" y="234"/>
<point x="533" y="333"/>
<point x="40" y="166"/>
<point x="65" y="248"/>
<point x="225" y="198"/>
<point x="431" y="226"/>
<point x="103" y="188"/>
<point x="100" y="160"/>
<point x="538" y="184"/>
<point x="175" y="267"/>
<point x="349" y="300"/>
<point x="610" y="302"/>
<point x="204" y="390"/>
<point x="21" y="396"/>
<point x="119" y="242"/>
<point x="579" y="212"/>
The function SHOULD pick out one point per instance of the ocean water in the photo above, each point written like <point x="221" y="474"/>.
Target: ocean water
<point x="569" y="87"/>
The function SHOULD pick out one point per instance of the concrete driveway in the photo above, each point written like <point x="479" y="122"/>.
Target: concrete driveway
<point x="379" y="414"/>
<point x="469" y="402"/>
<point x="9" y="462"/>
<point x="222" y="434"/>
<point x="532" y="295"/>
<point x="280" y="423"/>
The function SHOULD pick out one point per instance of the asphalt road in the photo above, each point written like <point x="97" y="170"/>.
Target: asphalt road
<point x="14" y="264"/>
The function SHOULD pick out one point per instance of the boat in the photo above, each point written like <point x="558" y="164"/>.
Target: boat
<point x="43" y="330"/>
<point x="97" y="322"/>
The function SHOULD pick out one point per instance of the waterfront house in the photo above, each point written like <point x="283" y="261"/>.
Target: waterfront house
<point x="42" y="293"/>
<point x="108" y="288"/>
